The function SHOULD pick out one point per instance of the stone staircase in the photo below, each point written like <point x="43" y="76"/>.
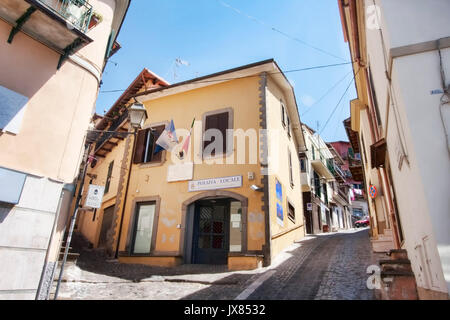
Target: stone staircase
<point x="384" y="242"/>
<point x="397" y="279"/>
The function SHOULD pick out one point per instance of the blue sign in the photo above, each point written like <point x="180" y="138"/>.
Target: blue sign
<point x="279" y="190"/>
<point x="279" y="211"/>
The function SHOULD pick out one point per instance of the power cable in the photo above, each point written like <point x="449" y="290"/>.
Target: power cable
<point x="275" y="72"/>
<point x="278" y="31"/>
<point x="340" y="100"/>
<point x="325" y="94"/>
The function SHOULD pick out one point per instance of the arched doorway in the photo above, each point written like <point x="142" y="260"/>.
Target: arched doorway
<point x="215" y="223"/>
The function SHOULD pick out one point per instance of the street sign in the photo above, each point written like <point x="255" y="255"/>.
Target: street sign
<point x="309" y="206"/>
<point x="95" y="196"/>
<point x="372" y="191"/>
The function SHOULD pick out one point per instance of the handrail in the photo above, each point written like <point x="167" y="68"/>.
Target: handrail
<point x="77" y="12"/>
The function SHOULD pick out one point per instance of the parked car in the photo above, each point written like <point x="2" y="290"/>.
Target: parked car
<point x="362" y="223"/>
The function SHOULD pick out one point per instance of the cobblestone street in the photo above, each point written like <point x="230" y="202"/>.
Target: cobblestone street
<point x="328" y="266"/>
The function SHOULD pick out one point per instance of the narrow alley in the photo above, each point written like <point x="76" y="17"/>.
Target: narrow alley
<point x="328" y="266"/>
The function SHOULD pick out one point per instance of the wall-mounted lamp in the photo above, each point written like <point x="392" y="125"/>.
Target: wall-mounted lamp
<point x="256" y="188"/>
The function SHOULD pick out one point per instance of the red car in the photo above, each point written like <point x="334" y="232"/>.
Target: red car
<point x="362" y="223"/>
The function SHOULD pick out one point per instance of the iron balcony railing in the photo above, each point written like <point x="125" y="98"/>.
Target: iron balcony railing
<point x="343" y="194"/>
<point x="334" y="169"/>
<point x="77" y="12"/>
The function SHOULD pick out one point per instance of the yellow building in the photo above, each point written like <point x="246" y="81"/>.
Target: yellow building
<point x="234" y="198"/>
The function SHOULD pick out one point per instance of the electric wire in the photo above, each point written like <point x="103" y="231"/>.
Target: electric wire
<point x="325" y="94"/>
<point x="339" y="102"/>
<point x="252" y="76"/>
<point x="278" y="30"/>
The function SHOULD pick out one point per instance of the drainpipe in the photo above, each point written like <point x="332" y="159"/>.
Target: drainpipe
<point x="264" y="166"/>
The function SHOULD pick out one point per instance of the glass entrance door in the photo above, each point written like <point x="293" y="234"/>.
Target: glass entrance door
<point x="211" y="232"/>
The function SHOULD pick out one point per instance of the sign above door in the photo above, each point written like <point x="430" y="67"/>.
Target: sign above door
<point x="215" y="183"/>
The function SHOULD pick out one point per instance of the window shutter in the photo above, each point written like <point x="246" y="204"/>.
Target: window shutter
<point x="156" y="133"/>
<point x="210" y="123"/>
<point x="222" y="120"/>
<point x="291" y="180"/>
<point x="108" y="178"/>
<point x="140" y="147"/>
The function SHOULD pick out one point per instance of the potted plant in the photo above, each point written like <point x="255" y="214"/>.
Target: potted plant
<point x="95" y="19"/>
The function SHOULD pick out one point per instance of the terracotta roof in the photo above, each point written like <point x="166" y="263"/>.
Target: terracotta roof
<point x="352" y="135"/>
<point x="140" y="82"/>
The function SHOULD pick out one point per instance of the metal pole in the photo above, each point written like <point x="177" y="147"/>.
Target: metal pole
<point x="74" y="218"/>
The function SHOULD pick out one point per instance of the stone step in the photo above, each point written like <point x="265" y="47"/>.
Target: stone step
<point x="398" y="254"/>
<point x="382" y="245"/>
<point x="398" y="285"/>
<point x="385" y="237"/>
<point x="403" y="265"/>
<point x="71" y="256"/>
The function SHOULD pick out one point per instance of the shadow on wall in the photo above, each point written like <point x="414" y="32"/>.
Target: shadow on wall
<point x="5" y="209"/>
<point x="22" y="77"/>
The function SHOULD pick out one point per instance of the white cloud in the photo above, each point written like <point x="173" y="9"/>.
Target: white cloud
<point x="307" y="100"/>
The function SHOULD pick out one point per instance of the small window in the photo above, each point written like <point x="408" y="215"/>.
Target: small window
<point x="291" y="179"/>
<point x="108" y="178"/>
<point x="303" y="164"/>
<point x="325" y="193"/>
<point x="316" y="184"/>
<point x="146" y="144"/>
<point x="283" y="114"/>
<point x="291" y="212"/>
<point x="288" y="126"/>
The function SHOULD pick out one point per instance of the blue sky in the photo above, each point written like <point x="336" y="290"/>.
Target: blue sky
<point x="213" y="37"/>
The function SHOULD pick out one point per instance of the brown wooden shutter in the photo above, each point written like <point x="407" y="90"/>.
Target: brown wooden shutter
<point x="140" y="146"/>
<point x="222" y="120"/>
<point x="217" y="121"/>
<point x="210" y="123"/>
<point x="156" y="133"/>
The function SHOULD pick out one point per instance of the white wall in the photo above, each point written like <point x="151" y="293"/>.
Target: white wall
<point x="415" y="126"/>
<point x="24" y="236"/>
<point x="414" y="21"/>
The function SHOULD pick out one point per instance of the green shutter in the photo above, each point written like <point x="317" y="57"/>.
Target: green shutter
<point x="110" y="44"/>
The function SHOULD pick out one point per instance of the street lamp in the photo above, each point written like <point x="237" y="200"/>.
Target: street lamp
<point x="138" y="115"/>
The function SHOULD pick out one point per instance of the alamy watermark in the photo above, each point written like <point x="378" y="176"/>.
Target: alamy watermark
<point x="373" y="17"/>
<point x="236" y="146"/>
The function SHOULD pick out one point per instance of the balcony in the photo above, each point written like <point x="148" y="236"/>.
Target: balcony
<point x="336" y="171"/>
<point x="305" y="180"/>
<point x="321" y="168"/>
<point x="60" y="25"/>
